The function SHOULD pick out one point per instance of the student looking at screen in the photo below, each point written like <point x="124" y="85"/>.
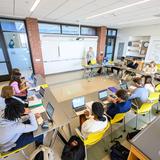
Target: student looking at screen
<point x="148" y="84"/>
<point x="20" y="89"/>
<point x="7" y="93"/>
<point x="140" y="94"/>
<point x="13" y="132"/>
<point x="97" y="123"/>
<point x="121" y="104"/>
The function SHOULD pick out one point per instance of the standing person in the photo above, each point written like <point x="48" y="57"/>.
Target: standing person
<point x="90" y="55"/>
<point x="100" y="61"/>
<point x="14" y="133"/>
<point x="97" y="123"/>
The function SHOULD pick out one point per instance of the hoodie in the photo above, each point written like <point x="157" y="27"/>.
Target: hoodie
<point x="10" y="131"/>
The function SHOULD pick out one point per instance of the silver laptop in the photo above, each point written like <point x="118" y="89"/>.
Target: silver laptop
<point x="48" y="115"/>
<point x="78" y="104"/>
<point x="40" y="94"/>
<point x="103" y="95"/>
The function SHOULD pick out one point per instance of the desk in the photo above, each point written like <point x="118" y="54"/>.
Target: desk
<point x="59" y="117"/>
<point x="146" y="145"/>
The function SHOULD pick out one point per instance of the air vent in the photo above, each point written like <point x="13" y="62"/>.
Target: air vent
<point x="157" y="15"/>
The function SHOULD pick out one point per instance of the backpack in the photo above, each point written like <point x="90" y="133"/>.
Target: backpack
<point x="119" y="152"/>
<point x="130" y="135"/>
<point x="74" y="149"/>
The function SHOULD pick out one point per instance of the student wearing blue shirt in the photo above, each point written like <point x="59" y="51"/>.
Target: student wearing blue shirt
<point x="121" y="104"/>
<point x="140" y="94"/>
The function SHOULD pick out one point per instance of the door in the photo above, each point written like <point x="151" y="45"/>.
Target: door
<point x="5" y="67"/>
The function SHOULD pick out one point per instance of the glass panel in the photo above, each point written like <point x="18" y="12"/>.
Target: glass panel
<point x="88" y="31"/>
<point x="1" y="54"/>
<point x="18" y="50"/>
<point x="112" y="32"/>
<point x="3" y="69"/>
<point x="49" y="28"/>
<point x="11" y="25"/>
<point x="109" y="48"/>
<point x="70" y="29"/>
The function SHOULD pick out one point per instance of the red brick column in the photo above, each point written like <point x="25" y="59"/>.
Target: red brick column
<point x="101" y="32"/>
<point x="35" y="45"/>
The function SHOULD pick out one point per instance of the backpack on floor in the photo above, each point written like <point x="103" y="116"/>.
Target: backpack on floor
<point x="130" y="135"/>
<point x="74" y="149"/>
<point x="119" y="152"/>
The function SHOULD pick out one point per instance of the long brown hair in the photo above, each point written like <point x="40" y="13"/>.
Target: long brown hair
<point x="7" y="92"/>
<point x="17" y="78"/>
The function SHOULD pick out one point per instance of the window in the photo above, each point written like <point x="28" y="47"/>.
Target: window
<point x="11" y="25"/>
<point x="67" y="29"/>
<point x="49" y="28"/>
<point x="112" y="32"/>
<point x="88" y="31"/>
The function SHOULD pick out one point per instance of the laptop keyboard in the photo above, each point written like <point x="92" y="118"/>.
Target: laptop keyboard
<point x="80" y="109"/>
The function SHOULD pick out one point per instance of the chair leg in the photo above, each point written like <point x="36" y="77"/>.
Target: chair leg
<point x="111" y="134"/>
<point x="86" y="156"/>
<point x="136" y="122"/>
<point x="124" y="121"/>
<point x="149" y="116"/>
<point x="106" y="145"/>
<point x="24" y="155"/>
<point x="157" y="108"/>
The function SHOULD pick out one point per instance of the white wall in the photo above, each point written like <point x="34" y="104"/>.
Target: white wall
<point x="124" y="34"/>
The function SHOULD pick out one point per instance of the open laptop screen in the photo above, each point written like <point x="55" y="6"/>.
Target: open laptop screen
<point x="103" y="94"/>
<point x="41" y="91"/>
<point x="78" y="102"/>
<point x="50" y="110"/>
<point x="124" y="86"/>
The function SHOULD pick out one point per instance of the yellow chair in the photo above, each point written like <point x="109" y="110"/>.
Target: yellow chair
<point x="144" y="109"/>
<point x="93" y="61"/>
<point x="92" y="138"/>
<point x="117" y="118"/>
<point x="9" y="153"/>
<point x="158" y="67"/>
<point x="158" y="88"/>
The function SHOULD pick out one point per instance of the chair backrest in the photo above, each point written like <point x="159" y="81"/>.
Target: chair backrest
<point x="145" y="108"/>
<point x="118" y="117"/>
<point x="158" y="67"/>
<point x="154" y="96"/>
<point x="158" y="87"/>
<point x="95" y="137"/>
<point x="93" y="61"/>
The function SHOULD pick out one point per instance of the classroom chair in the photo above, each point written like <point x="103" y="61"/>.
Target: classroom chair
<point x="92" y="138"/>
<point x="144" y="109"/>
<point x="117" y="118"/>
<point x="10" y="153"/>
<point x="157" y="88"/>
<point x="158" y="67"/>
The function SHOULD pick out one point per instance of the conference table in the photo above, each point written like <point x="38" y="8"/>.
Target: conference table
<point x="146" y="145"/>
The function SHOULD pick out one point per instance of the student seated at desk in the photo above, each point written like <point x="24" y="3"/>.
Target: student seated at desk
<point x="121" y="104"/>
<point x="140" y="94"/>
<point x="7" y="93"/>
<point x="148" y="84"/>
<point x="120" y="63"/>
<point x="14" y="133"/>
<point x="19" y="87"/>
<point x="96" y="123"/>
<point x="150" y="68"/>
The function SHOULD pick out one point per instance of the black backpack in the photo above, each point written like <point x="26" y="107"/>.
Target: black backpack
<point x="119" y="152"/>
<point x="74" y="149"/>
<point x="130" y="135"/>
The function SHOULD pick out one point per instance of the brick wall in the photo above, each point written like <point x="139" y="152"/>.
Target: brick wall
<point x="101" y="32"/>
<point x="34" y="41"/>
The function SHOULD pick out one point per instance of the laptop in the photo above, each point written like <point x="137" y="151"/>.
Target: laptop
<point x="124" y="86"/>
<point x="46" y="114"/>
<point x="78" y="104"/>
<point x="40" y="94"/>
<point x="102" y="95"/>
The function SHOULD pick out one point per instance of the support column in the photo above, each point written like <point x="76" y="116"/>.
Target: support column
<point x="35" y="45"/>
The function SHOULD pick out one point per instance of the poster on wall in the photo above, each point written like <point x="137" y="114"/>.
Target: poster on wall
<point x="153" y="53"/>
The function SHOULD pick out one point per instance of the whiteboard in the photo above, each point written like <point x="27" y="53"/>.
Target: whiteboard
<point x="65" y="53"/>
<point x="153" y="52"/>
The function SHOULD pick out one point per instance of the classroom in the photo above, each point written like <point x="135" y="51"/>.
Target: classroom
<point x="79" y="79"/>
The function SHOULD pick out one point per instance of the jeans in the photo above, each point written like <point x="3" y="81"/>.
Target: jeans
<point x="27" y="138"/>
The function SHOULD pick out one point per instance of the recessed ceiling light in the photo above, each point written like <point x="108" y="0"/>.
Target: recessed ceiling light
<point x="117" y="9"/>
<point x="35" y="5"/>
